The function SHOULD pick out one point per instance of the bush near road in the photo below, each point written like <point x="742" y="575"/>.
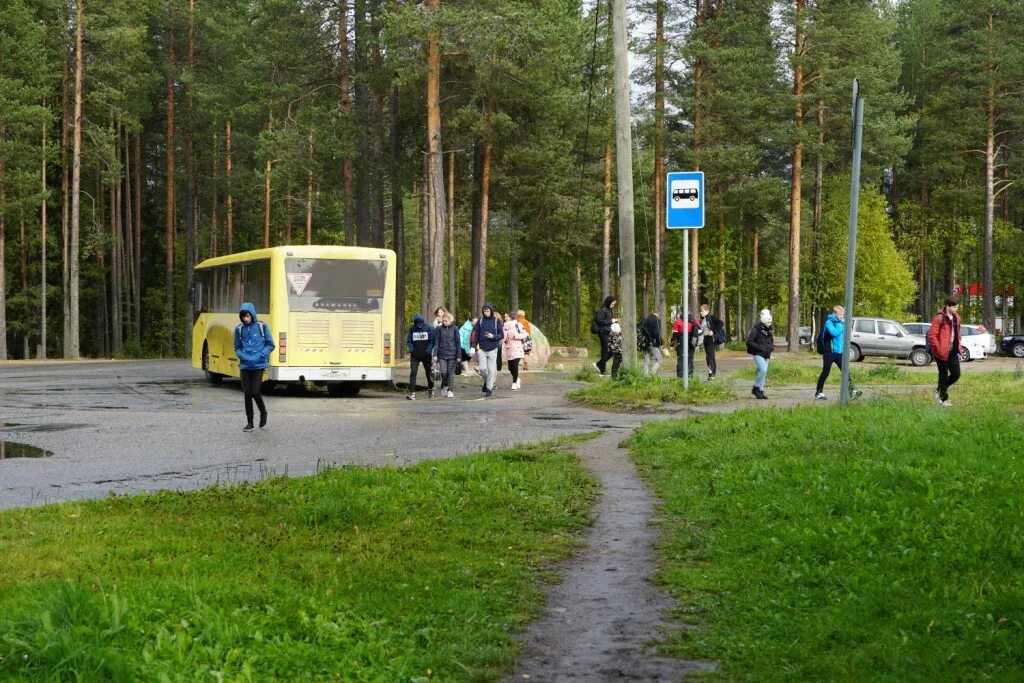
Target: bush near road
<point x="355" y="574"/>
<point x="885" y="541"/>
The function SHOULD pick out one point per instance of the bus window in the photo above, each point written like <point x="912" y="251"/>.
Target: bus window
<point x="349" y="285"/>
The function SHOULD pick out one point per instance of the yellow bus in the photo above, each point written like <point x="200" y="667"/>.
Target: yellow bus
<point x="331" y="311"/>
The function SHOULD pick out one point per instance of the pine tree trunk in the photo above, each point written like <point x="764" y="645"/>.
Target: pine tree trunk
<point x="128" y="257"/>
<point x="288" y="213"/>
<point x="362" y="122"/>
<point x="266" y="191"/>
<point x="577" y="291"/>
<point x="819" y="179"/>
<point x="191" y="210"/>
<point x="376" y="175"/>
<point x="115" y="251"/>
<point x="214" y="196"/>
<point x="3" y="252"/>
<point x="795" y="184"/>
<point x="756" y="257"/>
<point x="435" y="177"/>
<point x="606" y="233"/>
<point x="477" y="295"/>
<point x="397" y="213"/>
<point x="425" y="243"/>
<point x="988" y="282"/>
<point x="698" y="131"/>
<point x="137" y="234"/>
<point x="344" y="86"/>
<point x="65" y="205"/>
<point x="659" y="163"/>
<point x="72" y="347"/>
<point x="24" y="284"/>
<point x="513" y="278"/>
<point x="309" y="194"/>
<point x="171" y="218"/>
<point x="485" y="217"/>
<point x="539" y="286"/>
<point x="452" y="291"/>
<point x="229" y="201"/>
<point x="42" y="246"/>
<point x="721" y="263"/>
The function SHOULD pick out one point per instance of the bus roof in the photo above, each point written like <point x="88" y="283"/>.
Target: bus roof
<point x="300" y="251"/>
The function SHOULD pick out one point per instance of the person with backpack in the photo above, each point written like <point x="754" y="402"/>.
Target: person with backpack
<point x="830" y="346"/>
<point x="760" y="344"/>
<point x="420" y="342"/>
<point x="689" y="336"/>
<point x="253" y="345"/>
<point x="944" y="343"/>
<point x="649" y="341"/>
<point x="487" y="336"/>
<point x="712" y="333"/>
<point x="466" y="342"/>
<point x="601" y="326"/>
<point x="615" y="346"/>
<point x="447" y="352"/>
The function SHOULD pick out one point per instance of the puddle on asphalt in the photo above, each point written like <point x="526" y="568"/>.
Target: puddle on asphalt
<point x="550" y="417"/>
<point x="43" y="428"/>
<point x="11" y="449"/>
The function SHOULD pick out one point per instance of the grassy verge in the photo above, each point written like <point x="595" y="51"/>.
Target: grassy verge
<point x="785" y="372"/>
<point x="820" y="544"/>
<point x="633" y="391"/>
<point x="355" y="574"/>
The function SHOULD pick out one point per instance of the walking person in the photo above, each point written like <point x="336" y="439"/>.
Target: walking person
<point x="711" y="332"/>
<point x="615" y="346"/>
<point x="513" y="341"/>
<point x="760" y="344"/>
<point x="601" y="326"/>
<point x="501" y="321"/>
<point x="466" y="342"/>
<point x="439" y="313"/>
<point x="651" y="327"/>
<point x="253" y="345"/>
<point x="831" y="347"/>
<point x="447" y="353"/>
<point x="676" y="341"/>
<point x="528" y="342"/>
<point x="944" y="341"/>
<point x="487" y="336"/>
<point x="420" y="341"/>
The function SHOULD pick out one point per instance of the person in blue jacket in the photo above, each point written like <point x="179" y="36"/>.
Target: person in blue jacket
<point x="487" y="336"/>
<point x="466" y="342"/>
<point x="253" y="345"/>
<point x="420" y="341"/>
<point x="832" y="335"/>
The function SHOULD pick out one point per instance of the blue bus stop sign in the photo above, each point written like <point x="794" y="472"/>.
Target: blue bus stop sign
<point x="684" y="200"/>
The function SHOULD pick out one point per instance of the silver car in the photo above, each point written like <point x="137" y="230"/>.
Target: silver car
<point x="883" y="337"/>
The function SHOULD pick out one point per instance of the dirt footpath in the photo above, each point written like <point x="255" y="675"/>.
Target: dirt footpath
<point x="605" y="613"/>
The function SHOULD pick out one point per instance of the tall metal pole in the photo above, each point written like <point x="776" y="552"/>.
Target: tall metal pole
<point x="624" y="175"/>
<point x="684" y="342"/>
<point x="851" y="250"/>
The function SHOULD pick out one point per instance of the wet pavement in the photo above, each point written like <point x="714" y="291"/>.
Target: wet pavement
<point x="127" y="427"/>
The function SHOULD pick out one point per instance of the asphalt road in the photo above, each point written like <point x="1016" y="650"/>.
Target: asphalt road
<point x="137" y="426"/>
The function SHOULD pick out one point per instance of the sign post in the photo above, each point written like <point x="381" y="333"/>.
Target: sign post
<point x="684" y="210"/>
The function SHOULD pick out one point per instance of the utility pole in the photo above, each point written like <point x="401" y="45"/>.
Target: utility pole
<point x="624" y="174"/>
<point x="851" y="250"/>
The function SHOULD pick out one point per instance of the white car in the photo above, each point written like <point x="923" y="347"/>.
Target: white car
<point x="975" y="339"/>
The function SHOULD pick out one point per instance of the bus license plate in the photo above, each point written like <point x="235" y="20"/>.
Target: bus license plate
<point x="334" y="373"/>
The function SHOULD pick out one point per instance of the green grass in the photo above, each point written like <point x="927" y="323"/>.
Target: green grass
<point x="785" y="372"/>
<point x="884" y="541"/>
<point x="632" y="391"/>
<point x="355" y="574"/>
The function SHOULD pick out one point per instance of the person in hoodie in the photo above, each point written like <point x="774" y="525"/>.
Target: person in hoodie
<point x="466" y="342"/>
<point x="488" y="335"/>
<point x="944" y="342"/>
<point x="253" y="345"/>
<point x="832" y="333"/>
<point x="420" y="341"/>
<point x="515" y="336"/>
<point x="601" y="326"/>
<point x="760" y="344"/>
<point x="447" y="350"/>
<point x="651" y="326"/>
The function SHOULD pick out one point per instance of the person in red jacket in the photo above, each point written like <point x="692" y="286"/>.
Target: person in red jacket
<point x="944" y="343"/>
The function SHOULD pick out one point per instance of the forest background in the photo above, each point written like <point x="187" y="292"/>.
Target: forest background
<point x="475" y="137"/>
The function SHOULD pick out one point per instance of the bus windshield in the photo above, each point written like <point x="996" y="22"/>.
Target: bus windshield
<point x="317" y="284"/>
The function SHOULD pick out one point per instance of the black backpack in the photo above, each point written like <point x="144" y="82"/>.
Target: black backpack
<point x="594" y="329"/>
<point x="824" y="341"/>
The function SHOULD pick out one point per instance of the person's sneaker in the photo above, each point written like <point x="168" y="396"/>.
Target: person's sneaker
<point x="946" y="404"/>
<point x="263" y="420"/>
<point x="854" y="393"/>
<point x="754" y="392"/>
<point x="483" y="389"/>
<point x="248" y="428"/>
<point x="444" y="391"/>
<point x="598" y="368"/>
<point x="761" y="395"/>
<point x="487" y="393"/>
<point x="515" y="386"/>
<point x="411" y="397"/>
<point x="451" y="394"/>
<point x="430" y="393"/>
<point x="820" y="397"/>
<point x="935" y="393"/>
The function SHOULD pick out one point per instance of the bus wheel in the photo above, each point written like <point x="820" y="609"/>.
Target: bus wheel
<point x="211" y="377"/>
<point x="344" y="389"/>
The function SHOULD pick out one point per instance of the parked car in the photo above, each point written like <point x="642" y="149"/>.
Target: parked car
<point x="882" y="337"/>
<point x="1013" y="345"/>
<point x="975" y="340"/>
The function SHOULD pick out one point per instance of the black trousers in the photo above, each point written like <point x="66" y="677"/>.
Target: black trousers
<point x="428" y="368"/>
<point x="949" y="373"/>
<point x="828" y="359"/>
<point x="606" y="353"/>
<point x="679" y="360"/>
<point x="513" y="367"/>
<point x="709" y="355"/>
<point x="252" y="381"/>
